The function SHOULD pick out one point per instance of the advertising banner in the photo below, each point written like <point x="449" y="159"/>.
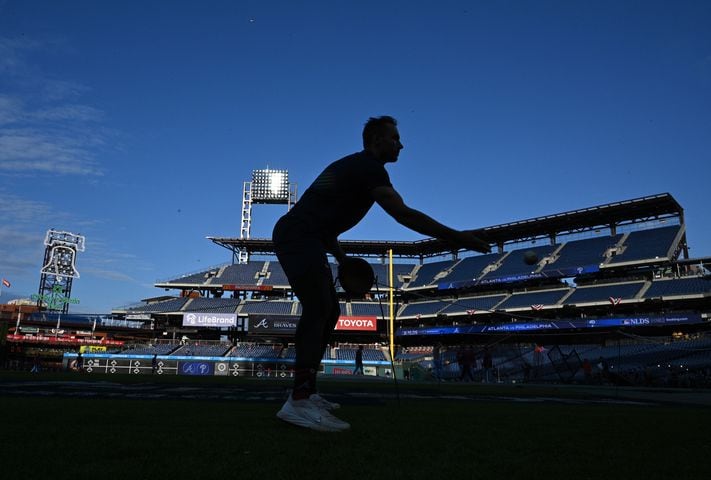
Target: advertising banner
<point x="359" y="323"/>
<point x="200" y="319"/>
<point x="68" y="339"/>
<point x="196" y="368"/>
<point x="641" y="321"/>
<point x="277" y="324"/>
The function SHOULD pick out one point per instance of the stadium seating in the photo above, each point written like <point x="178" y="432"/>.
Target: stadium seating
<point x="602" y="293"/>
<point x="290" y="353"/>
<point x="382" y="274"/>
<point x="203" y="277"/>
<point x="240" y="274"/>
<point x="212" y="305"/>
<point x="529" y="299"/>
<point x="679" y="286"/>
<point x="369" y="354"/>
<point x="412" y="353"/>
<point x="425" y="274"/>
<point x="256" y="351"/>
<point x="423" y="308"/>
<point x="462" y="305"/>
<point x="368" y="308"/>
<point x="580" y="253"/>
<point x="202" y="350"/>
<point x="267" y="307"/>
<point x="166" y="306"/>
<point x="275" y="275"/>
<point x="469" y="268"/>
<point x="513" y="264"/>
<point x="647" y="244"/>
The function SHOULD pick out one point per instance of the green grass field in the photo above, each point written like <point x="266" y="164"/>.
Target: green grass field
<point x="65" y="437"/>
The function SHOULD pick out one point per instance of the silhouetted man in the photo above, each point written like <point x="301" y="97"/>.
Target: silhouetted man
<point x="336" y="201"/>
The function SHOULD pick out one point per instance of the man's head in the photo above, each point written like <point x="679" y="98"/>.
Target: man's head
<point x="381" y="138"/>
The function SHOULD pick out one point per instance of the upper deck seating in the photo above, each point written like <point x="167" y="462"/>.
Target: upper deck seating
<point x="240" y="274"/>
<point x="581" y="253"/>
<point x="427" y="271"/>
<point x="514" y="264"/>
<point x="469" y="269"/>
<point x="274" y="307"/>
<point x="160" y="349"/>
<point x="276" y="275"/>
<point x="382" y="274"/>
<point x="213" y="305"/>
<point x="200" y="278"/>
<point x="165" y="306"/>
<point x="647" y="244"/>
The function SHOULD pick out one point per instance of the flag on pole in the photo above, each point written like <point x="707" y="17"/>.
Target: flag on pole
<point x="6" y="283"/>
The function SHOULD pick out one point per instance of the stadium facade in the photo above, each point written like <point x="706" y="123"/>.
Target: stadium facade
<point x="618" y="273"/>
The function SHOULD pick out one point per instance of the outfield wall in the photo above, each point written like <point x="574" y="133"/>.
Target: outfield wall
<point x="117" y="364"/>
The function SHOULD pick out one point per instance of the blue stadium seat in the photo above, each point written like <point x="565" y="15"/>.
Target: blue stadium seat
<point x="368" y="308"/>
<point x="514" y="264"/>
<point x="240" y="274"/>
<point x="647" y="244"/>
<point x="679" y="286"/>
<point x="581" y="253"/>
<point x="473" y="303"/>
<point x="166" y="306"/>
<point x="470" y="268"/>
<point x="602" y="293"/>
<point x="522" y="300"/>
<point x="427" y="271"/>
<point x="213" y="305"/>
<point x="265" y="307"/>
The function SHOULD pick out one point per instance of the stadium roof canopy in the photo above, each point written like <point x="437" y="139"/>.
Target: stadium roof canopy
<point x="611" y="215"/>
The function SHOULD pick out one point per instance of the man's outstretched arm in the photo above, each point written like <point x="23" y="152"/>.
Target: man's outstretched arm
<point x="392" y="203"/>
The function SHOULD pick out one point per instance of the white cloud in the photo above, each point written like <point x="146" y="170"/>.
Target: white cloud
<point x="14" y="210"/>
<point x="77" y="113"/>
<point x="11" y="109"/>
<point x="43" y="129"/>
<point x="46" y="151"/>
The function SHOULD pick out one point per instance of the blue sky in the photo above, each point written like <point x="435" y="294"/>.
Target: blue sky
<point x="136" y="123"/>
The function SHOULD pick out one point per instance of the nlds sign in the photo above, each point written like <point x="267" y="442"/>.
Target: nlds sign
<point x="357" y="323"/>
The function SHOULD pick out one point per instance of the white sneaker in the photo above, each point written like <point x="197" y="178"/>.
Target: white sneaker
<point x="323" y="403"/>
<point x="306" y="413"/>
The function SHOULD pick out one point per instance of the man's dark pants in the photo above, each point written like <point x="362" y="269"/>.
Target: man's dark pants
<point x="303" y="258"/>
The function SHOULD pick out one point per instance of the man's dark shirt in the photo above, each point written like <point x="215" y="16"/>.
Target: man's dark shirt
<point x="341" y="195"/>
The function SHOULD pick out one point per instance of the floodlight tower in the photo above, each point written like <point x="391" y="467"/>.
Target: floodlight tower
<point x="268" y="187"/>
<point x="59" y="269"/>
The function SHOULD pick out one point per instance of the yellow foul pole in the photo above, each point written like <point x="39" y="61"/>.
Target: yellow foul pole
<point x="392" y="306"/>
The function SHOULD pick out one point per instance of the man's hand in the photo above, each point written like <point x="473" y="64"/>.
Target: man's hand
<point x="335" y="249"/>
<point x="471" y="240"/>
<point x="392" y="203"/>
